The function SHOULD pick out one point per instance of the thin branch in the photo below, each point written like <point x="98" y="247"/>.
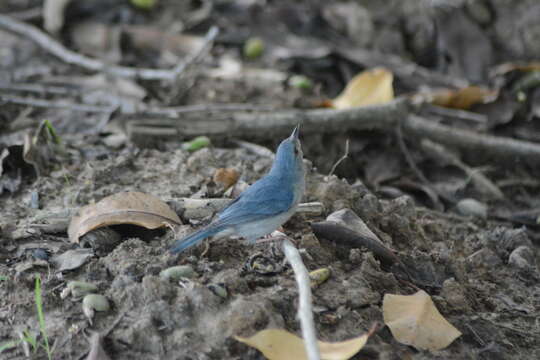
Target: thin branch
<point x="255" y="148"/>
<point x="28" y="14"/>
<point x="458" y="114"/>
<point x="172" y="112"/>
<point x="345" y="155"/>
<point x="505" y="148"/>
<point x="480" y="181"/>
<point x="175" y="111"/>
<point x="54" y="104"/>
<point x="419" y="174"/>
<point x="71" y="57"/>
<point x="267" y="125"/>
<point x="305" y="312"/>
<point x="277" y="123"/>
<point x="408" y="158"/>
<point x="37" y="88"/>
<point x="314" y="208"/>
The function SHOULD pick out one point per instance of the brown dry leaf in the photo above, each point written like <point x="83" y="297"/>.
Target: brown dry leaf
<point x="150" y="38"/>
<point x="278" y="344"/>
<point x="226" y="176"/>
<point x="414" y="320"/>
<point x="463" y="98"/>
<point x="370" y="87"/>
<point x="123" y="208"/>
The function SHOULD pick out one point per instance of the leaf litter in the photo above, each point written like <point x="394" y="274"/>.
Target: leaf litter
<point x="414" y="320"/>
<point x="482" y="287"/>
<point x="134" y="208"/>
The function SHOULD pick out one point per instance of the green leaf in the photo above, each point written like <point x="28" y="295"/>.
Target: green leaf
<point x="198" y="143"/>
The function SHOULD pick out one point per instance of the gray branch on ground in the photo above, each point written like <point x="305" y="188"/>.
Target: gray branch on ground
<point x="506" y="148"/>
<point x="265" y="125"/>
<point x="71" y="57"/>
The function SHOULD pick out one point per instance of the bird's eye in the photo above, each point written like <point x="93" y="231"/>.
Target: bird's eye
<point x="295" y="150"/>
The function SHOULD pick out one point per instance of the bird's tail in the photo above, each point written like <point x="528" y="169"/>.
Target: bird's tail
<point x="194" y="238"/>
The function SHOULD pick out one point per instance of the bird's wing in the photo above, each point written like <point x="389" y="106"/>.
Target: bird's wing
<point x="266" y="197"/>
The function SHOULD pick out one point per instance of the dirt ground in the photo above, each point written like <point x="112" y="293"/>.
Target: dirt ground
<point x="472" y="243"/>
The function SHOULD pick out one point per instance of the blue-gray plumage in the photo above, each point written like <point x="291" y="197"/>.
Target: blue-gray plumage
<point x="265" y="205"/>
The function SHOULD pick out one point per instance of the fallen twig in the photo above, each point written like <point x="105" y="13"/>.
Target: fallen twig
<point x="315" y="208"/>
<point x="458" y="114"/>
<point x="96" y="339"/>
<point x="480" y="181"/>
<point x="256" y="148"/>
<point x="505" y="148"/>
<point x="37" y="88"/>
<point x="208" y="108"/>
<point x="54" y="104"/>
<point x="142" y="109"/>
<point x="27" y="14"/>
<point x="96" y="348"/>
<point x="345" y="155"/>
<point x="382" y="117"/>
<point x="305" y="312"/>
<point x="71" y="57"/>
<point x="419" y="174"/>
<point x="277" y="123"/>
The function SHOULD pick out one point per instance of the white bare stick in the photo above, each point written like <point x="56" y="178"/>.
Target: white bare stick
<point x="305" y="313"/>
<point x="52" y="104"/>
<point x="256" y="149"/>
<point x="345" y="155"/>
<point x="71" y="57"/>
<point x="314" y="208"/>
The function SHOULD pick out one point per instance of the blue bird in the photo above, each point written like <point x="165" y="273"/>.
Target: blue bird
<point x="262" y="207"/>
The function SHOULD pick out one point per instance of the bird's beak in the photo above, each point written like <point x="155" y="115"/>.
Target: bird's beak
<point x="295" y="132"/>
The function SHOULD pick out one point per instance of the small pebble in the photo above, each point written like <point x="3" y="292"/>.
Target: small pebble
<point x="472" y="207"/>
<point x="78" y="289"/>
<point x="219" y="290"/>
<point x="176" y="273"/>
<point x="522" y="257"/>
<point x="319" y="276"/>
<point x="92" y="303"/>
<point x="40" y="254"/>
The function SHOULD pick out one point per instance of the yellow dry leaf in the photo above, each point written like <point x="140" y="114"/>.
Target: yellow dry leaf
<point x="414" y="320"/>
<point x="278" y="344"/>
<point x="462" y="98"/>
<point x="370" y="87"/>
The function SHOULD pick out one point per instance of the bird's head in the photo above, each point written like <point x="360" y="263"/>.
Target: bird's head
<point x="289" y="155"/>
